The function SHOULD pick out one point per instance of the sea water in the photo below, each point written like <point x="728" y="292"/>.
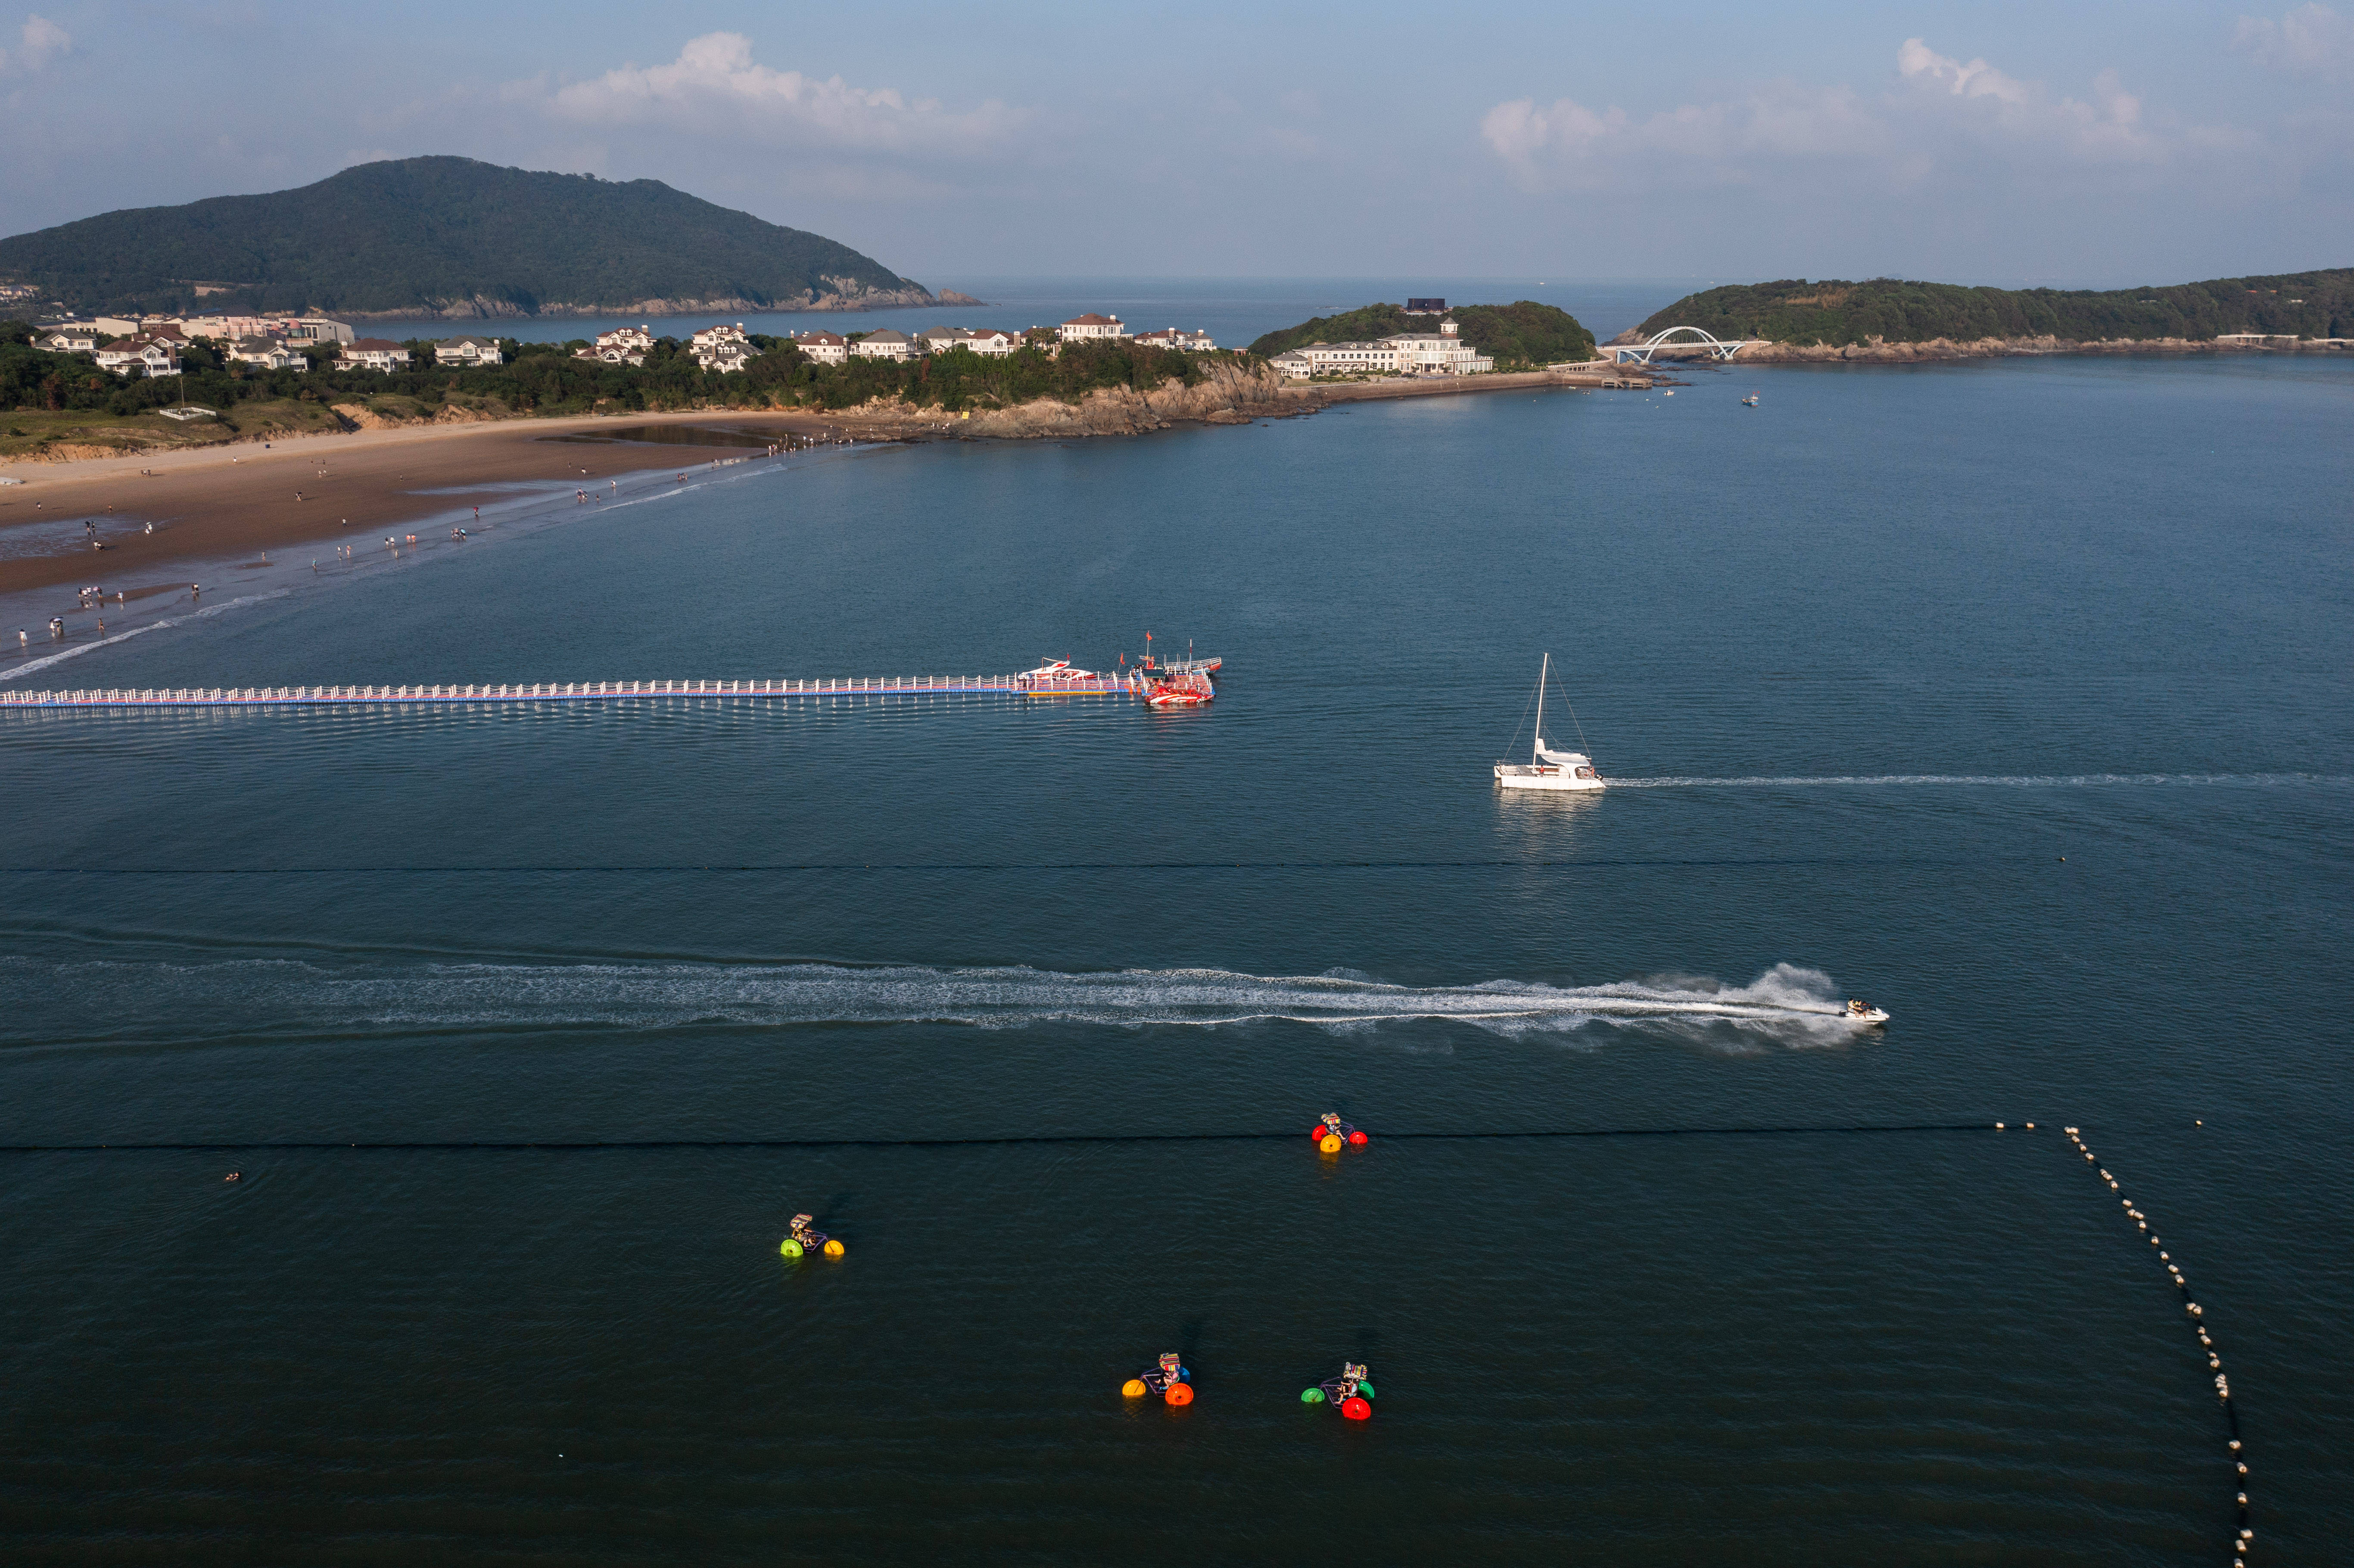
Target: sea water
<point x="2010" y="697"/>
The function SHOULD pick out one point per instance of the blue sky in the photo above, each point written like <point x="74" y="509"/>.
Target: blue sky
<point x="2092" y="143"/>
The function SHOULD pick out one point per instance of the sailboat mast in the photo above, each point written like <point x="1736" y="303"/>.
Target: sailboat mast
<point x="1536" y="747"/>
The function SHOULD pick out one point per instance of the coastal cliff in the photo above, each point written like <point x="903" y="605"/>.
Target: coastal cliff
<point x="1878" y="350"/>
<point x="1892" y="319"/>
<point x="1227" y="393"/>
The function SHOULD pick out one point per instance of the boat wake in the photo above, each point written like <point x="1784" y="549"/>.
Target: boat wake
<point x="282" y="997"/>
<point x="2012" y="781"/>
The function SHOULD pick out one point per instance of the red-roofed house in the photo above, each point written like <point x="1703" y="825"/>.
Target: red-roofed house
<point x="141" y="353"/>
<point x="824" y="348"/>
<point x="1092" y="325"/>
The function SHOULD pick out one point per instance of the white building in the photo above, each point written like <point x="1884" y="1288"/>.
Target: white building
<point x="993" y="342"/>
<point x="375" y="354"/>
<point x="1178" y="337"/>
<point x="268" y="352"/>
<point x="1091" y="326"/>
<point x="468" y="351"/>
<point x="1379" y="358"/>
<point x="824" y="348"/>
<point x="139" y="355"/>
<point x="71" y="337"/>
<point x="1440" y="353"/>
<point x="637" y="340"/>
<point x="884" y="345"/>
<point x="315" y="329"/>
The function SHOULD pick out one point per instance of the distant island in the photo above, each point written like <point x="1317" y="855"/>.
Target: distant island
<point x="454" y="237"/>
<point x="1516" y="337"/>
<point x="1891" y="318"/>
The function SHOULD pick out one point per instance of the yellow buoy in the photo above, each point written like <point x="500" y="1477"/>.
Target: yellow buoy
<point x="1329" y="1143"/>
<point x="1133" y="1388"/>
<point x="834" y="1249"/>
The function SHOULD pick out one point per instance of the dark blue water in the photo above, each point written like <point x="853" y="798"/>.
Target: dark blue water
<point x="2011" y="697"/>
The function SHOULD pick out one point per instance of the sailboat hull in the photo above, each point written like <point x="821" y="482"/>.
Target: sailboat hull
<point x="1527" y="776"/>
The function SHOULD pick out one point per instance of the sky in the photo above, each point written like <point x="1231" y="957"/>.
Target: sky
<point x="2086" y="144"/>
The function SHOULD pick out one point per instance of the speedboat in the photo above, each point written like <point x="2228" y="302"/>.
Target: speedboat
<point x="1546" y="768"/>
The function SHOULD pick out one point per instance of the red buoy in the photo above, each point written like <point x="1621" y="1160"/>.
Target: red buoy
<point x="1319" y="1130"/>
<point x="1356" y="1407"/>
<point x="1357" y="1137"/>
<point x="1182" y="1393"/>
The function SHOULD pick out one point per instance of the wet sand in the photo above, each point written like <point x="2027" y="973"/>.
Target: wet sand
<point x="231" y="502"/>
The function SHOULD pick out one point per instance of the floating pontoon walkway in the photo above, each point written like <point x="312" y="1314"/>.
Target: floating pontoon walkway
<point x="1128" y="683"/>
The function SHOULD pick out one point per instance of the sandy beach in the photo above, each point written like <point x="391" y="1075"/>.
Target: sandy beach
<point x="223" y="502"/>
<point x="229" y="501"/>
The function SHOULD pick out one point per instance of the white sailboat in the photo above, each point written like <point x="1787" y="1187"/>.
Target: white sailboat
<point x="1547" y="768"/>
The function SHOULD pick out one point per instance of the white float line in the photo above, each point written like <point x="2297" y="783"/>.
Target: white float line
<point x="2198" y="1315"/>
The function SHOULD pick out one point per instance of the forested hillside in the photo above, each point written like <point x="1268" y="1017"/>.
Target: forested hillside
<point x="2309" y="304"/>
<point x="1518" y="334"/>
<point x="423" y="235"/>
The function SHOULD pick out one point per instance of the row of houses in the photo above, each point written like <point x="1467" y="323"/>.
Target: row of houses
<point x="1440" y="351"/>
<point x="728" y="348"/>
<point x="152" y="346"/>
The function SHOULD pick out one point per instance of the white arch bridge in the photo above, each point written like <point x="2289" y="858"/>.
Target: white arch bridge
<point x="1640" y="354"/>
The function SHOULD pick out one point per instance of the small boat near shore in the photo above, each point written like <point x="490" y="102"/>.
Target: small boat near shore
<point x="1547" y="767"/>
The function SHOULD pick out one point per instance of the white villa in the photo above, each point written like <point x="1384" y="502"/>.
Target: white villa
<point x="721" y="348"/>
<point x="71" y="337"/>
<point x="622" y="345"/>
<point x="270" y="353"/>
<point x="141" y="354"/>
<point x="1091" y="326"/>
<point x="824" y="348"/>
<point x="374" y="354"/>
<point x="884" y="345"/>
<point x="988" y="341"/>
<point x="468" y="351"/>
<point x="1178" y="337"/>
<point x="1418" y="352"/>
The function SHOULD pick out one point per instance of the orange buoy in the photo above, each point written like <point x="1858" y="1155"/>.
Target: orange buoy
<point x="1329" y="1143"/>
<point x="834" y="1249"/>
<point x="1180" y="1394"/>
<point x="1133" y="1388"/>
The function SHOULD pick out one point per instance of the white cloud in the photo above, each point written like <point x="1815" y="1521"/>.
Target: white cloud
<point x="1940" y="116"/>
<point x="2311" y="41"/>
<point x="1916" y="59"/>
<point x="40" y="41"/>
<point x="714" y="87"/>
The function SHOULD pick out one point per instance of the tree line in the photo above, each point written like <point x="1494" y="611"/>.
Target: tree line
<point x="548" y="379"/>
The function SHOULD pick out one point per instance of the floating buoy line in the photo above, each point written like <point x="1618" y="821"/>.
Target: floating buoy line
<point x="2246" y="1537"/>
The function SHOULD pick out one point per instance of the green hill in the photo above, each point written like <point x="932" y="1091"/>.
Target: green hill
<point x="422" y="235"/>
<point x="2309" y="304"/>
<point x="1524" y="332"/>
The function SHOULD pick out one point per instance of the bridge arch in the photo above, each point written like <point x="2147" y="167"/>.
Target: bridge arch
<point x="1719" y="348"/>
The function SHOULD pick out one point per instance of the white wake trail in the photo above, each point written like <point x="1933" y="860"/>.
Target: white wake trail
<point x="1795" y="1005"/>
<point x="2005" y="781"/>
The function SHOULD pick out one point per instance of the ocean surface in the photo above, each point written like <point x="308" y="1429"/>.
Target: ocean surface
<point x="2011" y="697"/>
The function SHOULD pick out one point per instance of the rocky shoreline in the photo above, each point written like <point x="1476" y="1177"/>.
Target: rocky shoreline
<point x="1881" y="351"/>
